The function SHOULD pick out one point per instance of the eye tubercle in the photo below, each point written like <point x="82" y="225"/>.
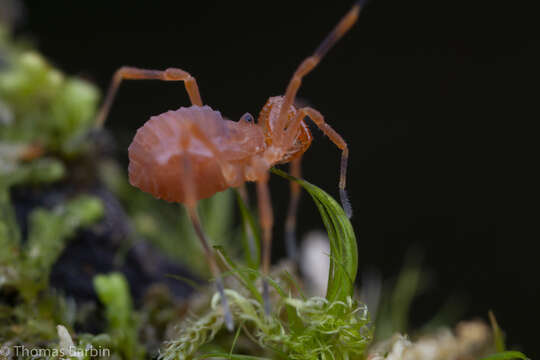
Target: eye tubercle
<point x="247" y="117"/>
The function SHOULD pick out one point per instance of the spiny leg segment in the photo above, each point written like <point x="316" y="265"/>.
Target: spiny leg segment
<point x="132" y="73"/>
<point x="306" y="67"/>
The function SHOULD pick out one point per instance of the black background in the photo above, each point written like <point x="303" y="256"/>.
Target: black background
<point x="434" y="99"/>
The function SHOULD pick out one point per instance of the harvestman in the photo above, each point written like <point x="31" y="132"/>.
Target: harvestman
<point x="192" y="153"/>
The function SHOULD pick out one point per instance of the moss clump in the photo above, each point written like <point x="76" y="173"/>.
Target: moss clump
<point x="123" y="324"/>
<point x="25" y="267"/>
<point x="39" y="105"/>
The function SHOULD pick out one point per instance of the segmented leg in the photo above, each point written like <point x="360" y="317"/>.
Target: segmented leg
<point x="131" y="73"/>
<point x="290" y="223"/>
<point x="318" y="119"/>
<point x="309" y="63"/>
<point x="191" y="206"/>
<point x="266" y="219"/>
<point x="192" y="211"/>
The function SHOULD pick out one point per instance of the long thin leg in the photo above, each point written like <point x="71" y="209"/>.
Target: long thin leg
<point x="318" y="119"/>
<point x="192" y="211"/>
<point x="267" y="221"/>
<point x="191" y="206"/>
<point x="131" y="73"/>
<point x="290" y="223"/>
<point x="309" y="63"/>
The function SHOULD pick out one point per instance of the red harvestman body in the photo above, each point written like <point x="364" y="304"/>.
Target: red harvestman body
<point x="193" y="152"/>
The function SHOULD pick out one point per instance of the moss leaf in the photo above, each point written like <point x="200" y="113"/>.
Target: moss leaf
<point x="343" y="248"/>
<point x="506" y="355"/>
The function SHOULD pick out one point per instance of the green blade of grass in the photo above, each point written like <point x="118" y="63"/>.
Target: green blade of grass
<point x="250" y="238"/>
<point x="235" y="339"/>
<point x="242" y="276"/>
<point x="186" y="281"/>
<point x="498" y="335"/>
<point x="506" y="355"/>
<point x="217" y="222"/>
<point x="295" y="322"/>
<point x="222" y="355"/>
<point x="343" y="248"/>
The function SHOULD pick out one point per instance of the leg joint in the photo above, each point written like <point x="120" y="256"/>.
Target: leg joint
<point x="177" y="74"/>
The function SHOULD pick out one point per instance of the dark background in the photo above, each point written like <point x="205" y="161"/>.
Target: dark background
<point x="434" y="99"/>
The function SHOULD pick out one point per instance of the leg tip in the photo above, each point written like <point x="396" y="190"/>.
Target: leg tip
<point x="361" y="3"/>
<point x="290" y="244"/>
<point x="266" y="298"/>
<point x="229" y="322"/>
<point x="345" y="203"/>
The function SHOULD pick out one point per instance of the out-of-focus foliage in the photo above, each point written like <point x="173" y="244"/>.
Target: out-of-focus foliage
<point x="25" y="267"/>
<point x="167" y="225"/>
<point x="45" y="120"/>
<point x="469" y="341"/>
<point x="113" y="291"/>
<point x="394" y="308"/>
<point x="507" y="355"/>
<point x="33" y="323"/>
<point x="40" y="171"/>
<point x="29" y="263"/>
<point x="39" y="105"/>
<point x="126" y="328"/>
<point x="498" y="335"/>
<point x="251" y="238"/>
<point x="500" y="346"/>
<point x="47" y="235"/>
<point x="41" y="112"/>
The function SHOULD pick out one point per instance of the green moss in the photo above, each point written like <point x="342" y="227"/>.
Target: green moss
<point x="40" y="105"/>
<point x="113" y="292"/>
<point x="27" y="266"/>
<point x="335" y="327"/>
